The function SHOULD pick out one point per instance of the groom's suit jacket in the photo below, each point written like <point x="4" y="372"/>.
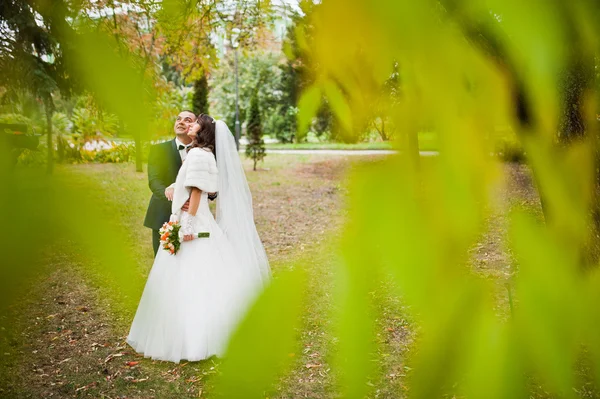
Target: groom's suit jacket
<point x="164" y="162"/>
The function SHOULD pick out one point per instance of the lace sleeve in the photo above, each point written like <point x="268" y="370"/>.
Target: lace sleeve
<point x="187" y="224"/>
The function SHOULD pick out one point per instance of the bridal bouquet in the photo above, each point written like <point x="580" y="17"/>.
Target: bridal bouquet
<point x="171" y="236"/>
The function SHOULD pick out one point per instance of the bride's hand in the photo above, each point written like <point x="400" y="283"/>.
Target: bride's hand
<point x="188" y="237"/>
<point x="169" y="193"/>
<point x="186" y="206"/>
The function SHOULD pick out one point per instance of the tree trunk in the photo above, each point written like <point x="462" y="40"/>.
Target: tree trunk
<point x="381" y="131"/>
<point x="138" y="153"/>
<point x="61" y="148"/>
<point x="49" y="110"/>
<point x="413" y="148"/>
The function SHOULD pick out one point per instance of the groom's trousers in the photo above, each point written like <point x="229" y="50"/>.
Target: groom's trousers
<point x="155" y="241"/>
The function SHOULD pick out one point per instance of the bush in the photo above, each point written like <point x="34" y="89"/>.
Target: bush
<point x="27" y="156"/>
<point x="119" y="153"/>
<point x="508" y="148"/>
<point x="33" y="157"/>
<point x="282" y="123"/>
<point x="88" y="124"/>
<point x="61" y="123"/>
<point x="32" y="126"/>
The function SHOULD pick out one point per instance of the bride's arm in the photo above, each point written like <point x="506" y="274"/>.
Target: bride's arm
<point x="194" y="201"/>
<point x="193" y="208"/>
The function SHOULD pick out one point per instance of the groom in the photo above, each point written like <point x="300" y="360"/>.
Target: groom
<point x="164" y="162"/>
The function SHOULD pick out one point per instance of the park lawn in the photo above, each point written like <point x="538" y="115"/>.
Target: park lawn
<point x="76" y="339"/>
<point x="71" y="332"/>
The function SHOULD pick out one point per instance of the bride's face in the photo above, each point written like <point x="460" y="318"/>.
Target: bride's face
<point x="194" y="129"/>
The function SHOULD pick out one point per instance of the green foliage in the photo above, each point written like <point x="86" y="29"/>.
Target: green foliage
<point x="89" y="124"/>
<point x="509" y="148"/>
<point x="300" y="75"/>
<point x="21" y="102"/>
<point x="33" y="157"/>
<point x="323" y="122"/>
<point x="200" y="100"/>
<point x="61" y="123"/>
<point x="32" y="59"/>
<point x="18" y="118"/>
<point x="260" y="70"/>
<point x="309" y="103"/>
<point x="256" y="145"/>
<point x="168" y="104"/>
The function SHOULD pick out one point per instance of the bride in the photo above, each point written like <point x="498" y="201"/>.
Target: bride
<point x="193" y="300"/>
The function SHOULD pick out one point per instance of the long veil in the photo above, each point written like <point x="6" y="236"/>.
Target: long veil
<point x="234" y="205"/>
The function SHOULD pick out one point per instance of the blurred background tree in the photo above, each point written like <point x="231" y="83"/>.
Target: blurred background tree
<point x="201" y="95"/>
<point x="256" y="145"/>
<point x="31" y="56"/>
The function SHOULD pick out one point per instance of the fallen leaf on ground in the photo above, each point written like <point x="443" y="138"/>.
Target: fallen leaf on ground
<point x="313" y="366"/>
<point x="93" y="384"/>
<point x="112" y="356"/>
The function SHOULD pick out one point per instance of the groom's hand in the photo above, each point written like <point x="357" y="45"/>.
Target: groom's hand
<point x="186" y="206"/>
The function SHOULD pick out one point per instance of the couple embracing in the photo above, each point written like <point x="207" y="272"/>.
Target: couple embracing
<point x="194" y="298"/>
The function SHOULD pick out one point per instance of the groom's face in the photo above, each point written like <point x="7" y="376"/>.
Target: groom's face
<point x="184" y="121"/>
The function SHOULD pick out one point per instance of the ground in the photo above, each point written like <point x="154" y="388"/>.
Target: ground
<point x="69" y="339"/>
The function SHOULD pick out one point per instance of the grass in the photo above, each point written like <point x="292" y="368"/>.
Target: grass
<point x="69" y="332"/>
<point x="76" y="341"/>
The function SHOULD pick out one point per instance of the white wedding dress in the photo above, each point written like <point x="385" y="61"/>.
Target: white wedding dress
<point x="194" y="299"/>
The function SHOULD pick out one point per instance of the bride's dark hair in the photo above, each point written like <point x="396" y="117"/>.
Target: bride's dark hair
<point x="205" y="138"/>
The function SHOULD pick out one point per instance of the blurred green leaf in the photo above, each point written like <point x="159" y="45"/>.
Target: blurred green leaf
<point x="338" y="104"/>
<point x="264" y="344"/>
<point x="308" y="105"/>
<point x="117" y="78"/>
<point x="549" y="312"/>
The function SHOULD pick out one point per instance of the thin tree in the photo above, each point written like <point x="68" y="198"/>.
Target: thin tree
<point x="256" y="145"/>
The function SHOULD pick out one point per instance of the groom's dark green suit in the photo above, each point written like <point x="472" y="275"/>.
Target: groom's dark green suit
<point x="164" y="162"/>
